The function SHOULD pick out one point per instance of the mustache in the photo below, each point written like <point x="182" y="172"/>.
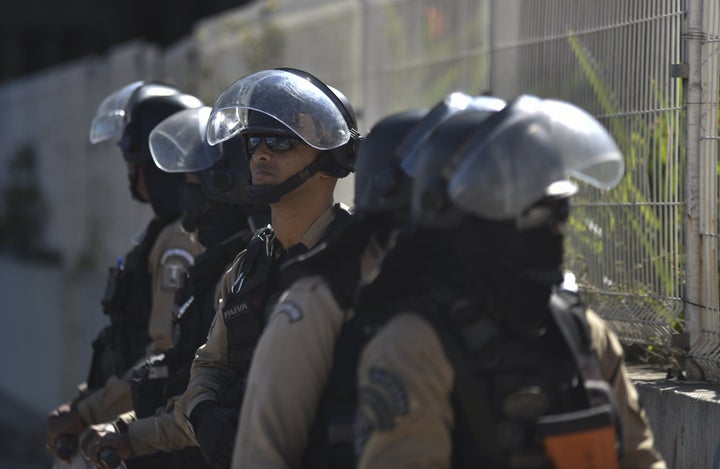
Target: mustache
<point x="262" y="166"/>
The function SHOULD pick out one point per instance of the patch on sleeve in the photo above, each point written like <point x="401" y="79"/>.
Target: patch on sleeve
<point x="291" y="310"/>
<point x="172" y="276"/>
<point x="379" y="403"/>
<point x="393" y="387"/>
<point x="384" y="399"/>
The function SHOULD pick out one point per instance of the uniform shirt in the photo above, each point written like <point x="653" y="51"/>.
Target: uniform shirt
<point x="406" y="362"/>
<point x="289" y="372"/>
<point x="161" y="432"/>
<point x="210" y="372"/>
<point x="170" y="257"/>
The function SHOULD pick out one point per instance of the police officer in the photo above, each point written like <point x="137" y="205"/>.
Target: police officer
<point x="301" y="137"/>
<point x="141" y="288"/>
<point x="223" y="219"/>
<point x="310" y="423"/>
<point x="492" y="363"/>
<point x="298" y="344"/>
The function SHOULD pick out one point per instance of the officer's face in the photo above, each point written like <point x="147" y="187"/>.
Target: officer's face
<point x="269" y="167"/>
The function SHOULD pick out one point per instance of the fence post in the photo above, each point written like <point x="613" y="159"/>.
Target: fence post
<point x="693" y="280"/>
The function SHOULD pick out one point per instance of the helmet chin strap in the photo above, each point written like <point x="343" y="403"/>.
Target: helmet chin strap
<point x="269" y="194"/>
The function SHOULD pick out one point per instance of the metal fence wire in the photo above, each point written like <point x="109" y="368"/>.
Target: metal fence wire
<point x="614" y="58"/>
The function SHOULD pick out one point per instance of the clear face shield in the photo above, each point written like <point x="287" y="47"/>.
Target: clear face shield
<point x="532" y="150"/>
<point x="289" y="99"/>
<point x="178" y="144"/>
<point x="111" y="115"/>
<point x="410" y="148"/>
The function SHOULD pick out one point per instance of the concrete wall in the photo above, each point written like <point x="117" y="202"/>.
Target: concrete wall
<point x="50" y="311"/>
<point x="684" y="417"/>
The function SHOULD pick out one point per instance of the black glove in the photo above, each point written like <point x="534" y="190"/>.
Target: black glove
<point x="215" y="429"/>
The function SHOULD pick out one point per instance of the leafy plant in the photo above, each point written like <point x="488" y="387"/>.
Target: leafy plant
<point x="627" y="225"/>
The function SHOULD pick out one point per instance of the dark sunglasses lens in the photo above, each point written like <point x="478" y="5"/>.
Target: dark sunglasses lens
<point x="279" y="144"/>
<point x="253" y="143"/>
<point x="276" y="144"/>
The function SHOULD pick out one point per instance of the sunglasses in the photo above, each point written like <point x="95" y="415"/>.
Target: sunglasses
<point x="274" y="144"/>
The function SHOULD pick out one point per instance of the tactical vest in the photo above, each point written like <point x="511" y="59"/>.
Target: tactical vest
<point x="509" y="394"/>
<point x="167" y="375"/>
<point x="514" y="394"/>
<point x="128" y="302"/>
<point x="255" y="292"/>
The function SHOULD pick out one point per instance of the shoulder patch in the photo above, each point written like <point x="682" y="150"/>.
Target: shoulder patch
<point x="172" y="276"/>
<point x="176" y="252"/>
<point x="291" y="310"/>
<point x="382" y="400"/>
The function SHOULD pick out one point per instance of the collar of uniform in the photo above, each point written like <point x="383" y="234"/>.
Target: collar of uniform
<point x="314" y="234"/>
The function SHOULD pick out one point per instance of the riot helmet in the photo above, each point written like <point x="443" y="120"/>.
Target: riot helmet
<point x="178" y="145"/>
<point x="510" y="178"/>
<point x="292" y="103"/>
<point x="453" y="103"/>
<point x="526" y="153"/>
<point x="217" y="204"/>
<point x="132" y="112"/>
<point x="381" y="185"/>
<point x="442" y="134"/>
<point x="515" y="174"/>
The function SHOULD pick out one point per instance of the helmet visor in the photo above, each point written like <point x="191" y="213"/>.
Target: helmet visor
<point x="538" y="144"/>
<point x="110" y="117"/>
<point x="409" y="149"/>
<point x="287" y="98"/>
<point x="178" y="144"/>
<point x="589" y="152"/>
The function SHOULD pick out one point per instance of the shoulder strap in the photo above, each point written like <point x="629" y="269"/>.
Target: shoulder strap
<point x="210" y="263"/>
<point x="470" y="396"/>
<point x="569" y="313"/>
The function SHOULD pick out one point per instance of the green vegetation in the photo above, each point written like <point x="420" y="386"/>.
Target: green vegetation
<point x="634" y="220"/>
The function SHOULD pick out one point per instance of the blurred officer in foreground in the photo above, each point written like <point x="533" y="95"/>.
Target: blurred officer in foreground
<point x="220" y="215"/>
<point x="300" y="137"/>
<point x="140" y="289"/>
<point x="310" y="423"/>
<point x="495" y="364"/>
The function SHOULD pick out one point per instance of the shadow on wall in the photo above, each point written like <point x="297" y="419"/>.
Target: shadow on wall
<point x="23" y="209"/>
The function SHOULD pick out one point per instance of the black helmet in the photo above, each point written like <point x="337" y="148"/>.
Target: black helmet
<point x="505" y="178"/>
<point x="435" y="144"/>
<point x="381" y="185"/>
<point x="133" y="111"/>
<point x="178" y="145"/>
<point x="294" y="103"/>
<point x="524" y="155"/>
